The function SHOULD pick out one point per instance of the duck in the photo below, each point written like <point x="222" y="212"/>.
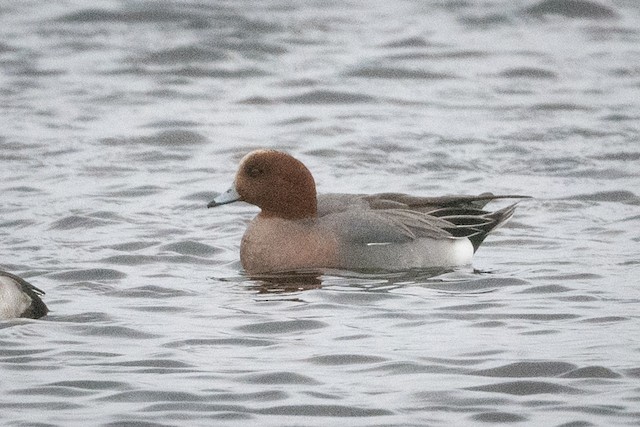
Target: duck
<point x="299" y="229"/>
<point x="19" y="298"/>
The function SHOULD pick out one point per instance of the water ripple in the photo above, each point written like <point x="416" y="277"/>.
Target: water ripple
<point x="572" y="9"/>
<point x="282" y="327"/>
<point x="527" y="388"/>
<point x="121" y="120"/>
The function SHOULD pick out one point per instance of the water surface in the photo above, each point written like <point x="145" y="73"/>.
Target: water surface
<point x="121" y="120"/>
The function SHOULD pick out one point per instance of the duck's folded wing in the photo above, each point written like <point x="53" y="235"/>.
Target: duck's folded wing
<point x="366" y="226"/>
<point x="382" y="226"/>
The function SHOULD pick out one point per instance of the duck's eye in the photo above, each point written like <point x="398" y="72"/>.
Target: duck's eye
<point x="254" y="172"/>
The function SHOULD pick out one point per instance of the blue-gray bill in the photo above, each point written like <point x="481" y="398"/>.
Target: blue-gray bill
<point x="229" y="196"/>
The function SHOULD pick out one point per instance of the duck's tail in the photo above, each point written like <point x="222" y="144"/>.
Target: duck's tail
<point x="474" y="224"/>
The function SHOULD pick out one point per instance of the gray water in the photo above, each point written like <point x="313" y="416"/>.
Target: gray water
<point x="120" y="120"/>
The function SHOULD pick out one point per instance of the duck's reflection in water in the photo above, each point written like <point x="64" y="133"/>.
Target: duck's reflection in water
<point x="297" y="281"/>
<point x="288" y="282"/>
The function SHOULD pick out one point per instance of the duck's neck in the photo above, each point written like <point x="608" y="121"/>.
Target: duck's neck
<point x="296" y="206"/>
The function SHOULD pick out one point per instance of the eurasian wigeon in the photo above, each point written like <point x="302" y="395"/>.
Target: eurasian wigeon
<point x="19" y="298"/>
<point x="298" y="229"/>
